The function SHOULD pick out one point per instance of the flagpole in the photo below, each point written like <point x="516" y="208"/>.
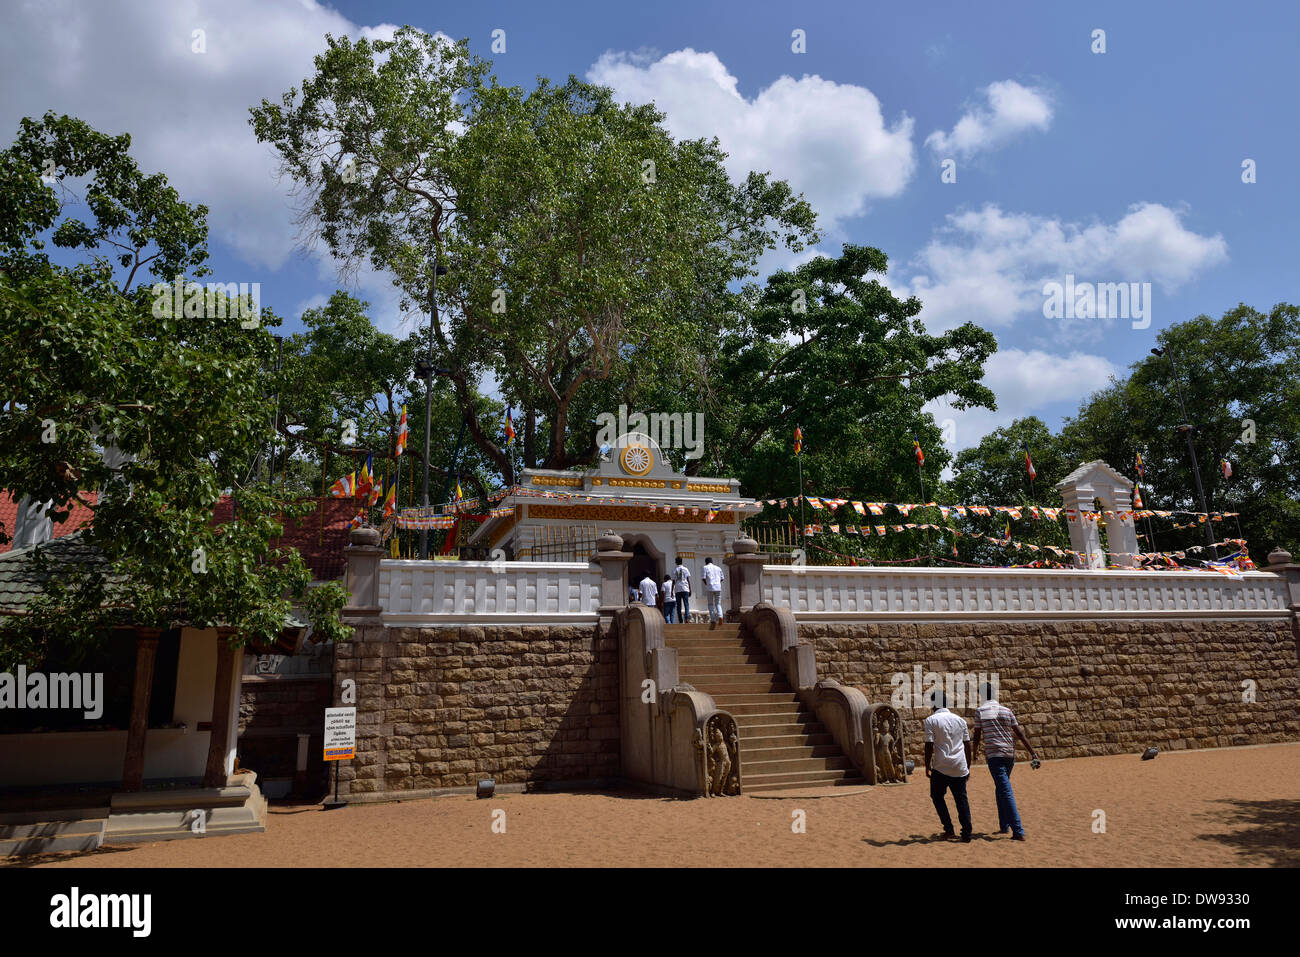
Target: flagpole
<point x="799" y="460"/>
<point x="921" y="475"/>
<point x="324" y="469"/>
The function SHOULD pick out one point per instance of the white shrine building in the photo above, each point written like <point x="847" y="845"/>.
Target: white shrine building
<point x="660" y="514"/>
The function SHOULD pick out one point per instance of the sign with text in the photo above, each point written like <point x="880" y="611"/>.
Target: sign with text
<point x="340" y="734"/>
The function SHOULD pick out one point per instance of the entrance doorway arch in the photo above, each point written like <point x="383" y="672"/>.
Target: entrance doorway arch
<point x="646" y="559"/>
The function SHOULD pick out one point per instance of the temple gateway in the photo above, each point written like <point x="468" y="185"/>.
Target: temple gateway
<point x="660" y="514"/>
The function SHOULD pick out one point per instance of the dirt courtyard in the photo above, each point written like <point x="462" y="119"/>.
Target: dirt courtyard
<point x="1230" y="807"/>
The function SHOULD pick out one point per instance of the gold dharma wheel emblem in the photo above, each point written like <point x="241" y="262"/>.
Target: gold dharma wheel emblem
<point x="636" y="459"/>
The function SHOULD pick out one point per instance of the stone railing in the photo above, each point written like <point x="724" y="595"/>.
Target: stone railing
<point x="821" y="593"/>
<point x="416" y="592"/>
<point x="672" y="736"/>
<point x="844" y="710"/>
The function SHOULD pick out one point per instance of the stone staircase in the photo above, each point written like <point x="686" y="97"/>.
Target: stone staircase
<point x="782" y="744"/>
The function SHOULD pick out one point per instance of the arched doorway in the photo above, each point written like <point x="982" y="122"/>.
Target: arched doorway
<point x="646" y="559"/>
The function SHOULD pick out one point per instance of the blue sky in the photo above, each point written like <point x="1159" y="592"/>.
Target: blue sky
<point x="1123" y="166"/>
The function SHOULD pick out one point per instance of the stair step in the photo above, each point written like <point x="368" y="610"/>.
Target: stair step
<point x="728" y="668"/>
<point x="783" y="736"/>
<point x="834" y="762"/>
<point x="805" y="719"/>
<point x="767" y="682"/>
<point x="705" y="644"/>
<point x="15" y="832"/>
<point x="51" y="836"/>
<point x="728" y="701"/>
<point x="774" y="782"/>
<point x="780" y="726"/>
<point x="697" y="656"/>
<point x="796" y="750"/>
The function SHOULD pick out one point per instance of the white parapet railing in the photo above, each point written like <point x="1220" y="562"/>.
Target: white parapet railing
<point x="837" y="593"/>
<point x="438" y="592"/>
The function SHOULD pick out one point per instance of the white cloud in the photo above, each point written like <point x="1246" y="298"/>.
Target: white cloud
<point x="988" y="267"/>
<point x="128" y="67"/>
<point x="1012" y="109"/>
<point x="1028" y="382"/>
<point x="829" y="140"/>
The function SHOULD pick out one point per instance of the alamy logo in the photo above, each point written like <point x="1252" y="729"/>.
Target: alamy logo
<point x="668" y="430"/>
<point x="1102" y="300"/>
<point x="75" y="909"/>
<point x="214" y="301"/>
<point x="962" y="689"/>
<point x="83" y="692"/>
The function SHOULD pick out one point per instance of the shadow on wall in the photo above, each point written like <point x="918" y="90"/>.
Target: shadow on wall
<point x="584" y="744"/>
<point x="1268" y="831"/>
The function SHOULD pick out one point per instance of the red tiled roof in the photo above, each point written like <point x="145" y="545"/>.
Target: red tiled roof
<point x="79" y="516"/>
<point x="321" y="545"/>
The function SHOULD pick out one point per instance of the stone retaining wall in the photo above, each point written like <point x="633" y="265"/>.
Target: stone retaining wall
<point x="442" y="707"/>
<point x="1091" y="687"/>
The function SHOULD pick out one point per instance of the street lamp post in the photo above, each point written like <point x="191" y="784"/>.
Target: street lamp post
<point x="1186" y="428"/>
<point x="425" y="369"/>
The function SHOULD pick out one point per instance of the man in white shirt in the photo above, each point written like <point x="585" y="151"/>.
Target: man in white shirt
<point x="712" y="576"/>
<point x="947" y="764"/>
<point x="682" y="591"/>
<point x="649" y="590"/>
<point x="670" y="604"/>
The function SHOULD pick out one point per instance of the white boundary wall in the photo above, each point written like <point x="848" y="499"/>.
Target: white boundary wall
<point x="821" y="593"/>
<point x="416" y="592"/>
<point x="455" y="592"/>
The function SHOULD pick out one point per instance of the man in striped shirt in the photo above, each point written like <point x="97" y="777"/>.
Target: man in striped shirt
<point x="997" y="727"/>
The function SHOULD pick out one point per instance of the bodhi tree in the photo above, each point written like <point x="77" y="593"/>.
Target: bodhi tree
<point x="142" y="415"/>
<point x="580" y="239"/>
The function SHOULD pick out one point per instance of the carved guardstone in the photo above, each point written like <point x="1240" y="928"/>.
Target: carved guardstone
<point x="718" y="744"/>
<point x="883" y="740"/>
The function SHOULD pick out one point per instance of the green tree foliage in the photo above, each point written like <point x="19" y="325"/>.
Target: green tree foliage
<point x="582" y="241"/>
<point x="160" y="412"/>
<point x="1238" y="378"/>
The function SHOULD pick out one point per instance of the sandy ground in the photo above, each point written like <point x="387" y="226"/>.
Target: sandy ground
<point x="1229" y="807"/>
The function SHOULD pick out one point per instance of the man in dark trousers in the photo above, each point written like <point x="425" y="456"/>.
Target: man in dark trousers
<point x="947" y="764"/>
<point x="997" y="727"/>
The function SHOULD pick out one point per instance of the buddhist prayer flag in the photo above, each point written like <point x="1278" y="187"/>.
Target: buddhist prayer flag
<point x="366" y="481"/>
<point x="459" y="494"/>
<point x="1029" y="463"/>
<point x="1226" y="467"/>
<point x="390" y="500"/>
<point x="345" y="487"/>
<point x="798" y="440"/>
<point x="1140" y="469"/>
<point x="510" y="427"/>
<point x="1137" y="496"/>
<point x="402" y="432"/>
<point x="920" y="456"/>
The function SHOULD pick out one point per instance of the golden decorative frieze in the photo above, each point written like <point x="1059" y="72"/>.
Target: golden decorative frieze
<point x="626" y="513"/>
<point x="564" y="480"/>
<point x="637" y="483"/>
<point x="707" y="487"/>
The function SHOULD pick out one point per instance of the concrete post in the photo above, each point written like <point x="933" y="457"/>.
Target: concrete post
<point x="214" y="774"/>
<point x="146" y="652"/>
<point x="613" y="577"/>
<point x="745" y="573"/>
<point x="1279" y="562"/>
<point x="362" y="579"/>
